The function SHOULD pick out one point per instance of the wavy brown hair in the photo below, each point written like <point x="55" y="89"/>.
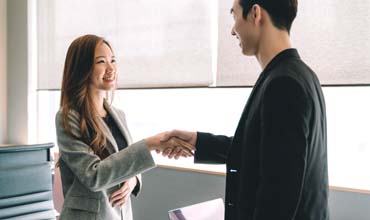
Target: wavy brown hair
<point x="75" y="91"/>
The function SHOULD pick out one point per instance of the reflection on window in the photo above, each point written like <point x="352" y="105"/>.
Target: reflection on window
<point x="218" y="110"/>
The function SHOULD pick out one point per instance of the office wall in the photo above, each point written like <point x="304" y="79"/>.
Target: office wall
<point x="17" y="67"/>
<point x="166" y="189"/>
<point x="3" y="108"/>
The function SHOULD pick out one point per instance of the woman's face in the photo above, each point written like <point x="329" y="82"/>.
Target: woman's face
<point x="104" y="71"/>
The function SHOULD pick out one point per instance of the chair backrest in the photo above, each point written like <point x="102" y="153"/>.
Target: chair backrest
<point x="25" y="182"/>
<point x="58" y="197"/>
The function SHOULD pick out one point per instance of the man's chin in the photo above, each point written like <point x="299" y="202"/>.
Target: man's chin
<point x="241" y="48"/>
<point x="246" y="52"/>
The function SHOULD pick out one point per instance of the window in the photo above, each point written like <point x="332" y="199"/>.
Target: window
<point x="198" y="51"/>
<point x="217" y="110"/>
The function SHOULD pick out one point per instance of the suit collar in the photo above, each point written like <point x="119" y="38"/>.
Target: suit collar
<point x="283" y="55"/>
<point x="288" y="53"/>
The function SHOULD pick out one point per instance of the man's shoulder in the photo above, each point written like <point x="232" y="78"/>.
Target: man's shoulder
<point x="284" y="74"/>
<point x="294" y="70"/>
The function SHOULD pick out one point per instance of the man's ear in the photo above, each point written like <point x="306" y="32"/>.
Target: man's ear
<point x="256" y="13"/>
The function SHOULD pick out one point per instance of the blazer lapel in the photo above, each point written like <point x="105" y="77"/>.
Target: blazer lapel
<point x="250" y="100"/>
<point x="109" y="136"/>
<point x="239" y="129"/>
<point x="119" y="121"/>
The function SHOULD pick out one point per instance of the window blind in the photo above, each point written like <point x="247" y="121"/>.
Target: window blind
<point x="332" y="37"/>
<point x="158" y="43"/>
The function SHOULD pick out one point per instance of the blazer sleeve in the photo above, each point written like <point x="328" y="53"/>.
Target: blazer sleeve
<point x="94" y="173"/>
<point x="283" y="152"/>
<point x="212" y="149"/>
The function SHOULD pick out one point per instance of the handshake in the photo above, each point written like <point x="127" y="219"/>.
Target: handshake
<point x="173" y="144"/>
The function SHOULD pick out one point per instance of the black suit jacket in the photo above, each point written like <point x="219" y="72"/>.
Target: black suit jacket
<point x="277" y="159"/>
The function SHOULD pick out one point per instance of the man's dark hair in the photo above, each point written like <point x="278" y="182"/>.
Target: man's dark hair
<point x="282" y="12"/>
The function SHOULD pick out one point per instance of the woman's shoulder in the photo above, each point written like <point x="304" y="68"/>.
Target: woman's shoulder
<point x="114" y="109"/>
<point x="72" y="115"/>
<point x="118" y="110"/>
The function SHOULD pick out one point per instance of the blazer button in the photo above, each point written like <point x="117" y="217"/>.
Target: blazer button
<point x="230" y="204"/>
<point x="233" y="171"/>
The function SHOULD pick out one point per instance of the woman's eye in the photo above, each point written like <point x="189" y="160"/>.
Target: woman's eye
<point x="113" y="61"/>
<point x="100" y="61"/>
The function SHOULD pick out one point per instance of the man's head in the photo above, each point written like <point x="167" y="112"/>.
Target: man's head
<point x="253" y="17"/>
<point x="281" y="12"/>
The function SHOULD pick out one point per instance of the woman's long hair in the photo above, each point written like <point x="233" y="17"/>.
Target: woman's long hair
<point x="75" y="96"/>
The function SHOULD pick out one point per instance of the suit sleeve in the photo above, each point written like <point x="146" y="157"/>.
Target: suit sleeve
<point x="283" y="150"/>
<point x="94" y="173"/>
<point x="212" y="149"/>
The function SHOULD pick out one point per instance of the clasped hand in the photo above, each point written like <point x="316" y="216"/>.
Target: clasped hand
<point x="120" y="197"/>
<point x="168" y="144"/>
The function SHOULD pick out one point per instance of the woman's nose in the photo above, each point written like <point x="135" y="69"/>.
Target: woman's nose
<point x="110" y="67"/>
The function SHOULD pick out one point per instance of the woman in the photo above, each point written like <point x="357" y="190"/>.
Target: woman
<point x="100" y="166"/>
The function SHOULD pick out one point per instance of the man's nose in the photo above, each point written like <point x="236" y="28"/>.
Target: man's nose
<point x="233" y="31"/>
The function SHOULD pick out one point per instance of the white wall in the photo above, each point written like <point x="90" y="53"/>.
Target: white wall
<point x="3" y="60"/>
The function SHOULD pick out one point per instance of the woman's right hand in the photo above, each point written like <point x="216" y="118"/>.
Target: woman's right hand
<point x="188" y="136"/>
<point x="176" y="144"/>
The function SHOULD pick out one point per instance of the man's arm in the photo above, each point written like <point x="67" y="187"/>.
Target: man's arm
<point x="283" y="150"/>
<point x="212" y="149"/>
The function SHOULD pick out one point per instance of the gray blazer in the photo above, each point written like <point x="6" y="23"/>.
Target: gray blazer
<point x="88" y="181"/>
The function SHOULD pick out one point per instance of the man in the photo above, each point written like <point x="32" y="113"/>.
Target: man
<point x="277" y="159"/>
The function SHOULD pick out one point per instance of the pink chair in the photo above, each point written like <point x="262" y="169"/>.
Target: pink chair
<point x="57" y="187"/>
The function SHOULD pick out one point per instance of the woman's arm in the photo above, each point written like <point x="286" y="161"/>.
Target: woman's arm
<point x="94" y="173"/>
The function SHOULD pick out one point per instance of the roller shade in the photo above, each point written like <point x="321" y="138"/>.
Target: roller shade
<point x="331" y="36"/>
<point x="158" y="43"/>
<point x="233" y="68"/>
